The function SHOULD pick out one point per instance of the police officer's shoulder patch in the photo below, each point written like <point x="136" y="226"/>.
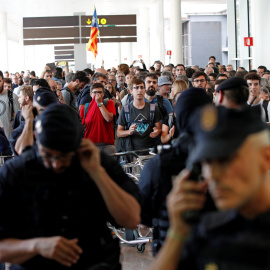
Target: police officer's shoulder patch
<point x="38" y="126"/>
<point x="208" y="120"/>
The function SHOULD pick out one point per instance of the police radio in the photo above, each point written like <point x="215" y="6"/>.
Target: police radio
<point x="193" y="216"/>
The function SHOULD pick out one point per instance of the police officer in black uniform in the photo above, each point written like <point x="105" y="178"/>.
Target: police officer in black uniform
<point x="234" y="149"/>
<point x="155" y="182"/>
<point x="56" y="200"/>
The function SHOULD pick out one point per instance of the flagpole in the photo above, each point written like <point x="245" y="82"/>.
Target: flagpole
<point x="102" y="62"/>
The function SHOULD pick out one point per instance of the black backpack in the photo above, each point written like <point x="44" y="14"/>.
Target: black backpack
<point x="160" y="106"/>
<point x="10" y="98"/>
<point x="265" y="105"/>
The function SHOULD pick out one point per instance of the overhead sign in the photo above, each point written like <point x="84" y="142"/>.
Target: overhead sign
<point x="63" y="53"/>
<point x="110" y="20"/>
<point x="169" y="52"/>
<point x="76" y="29"/>
<point x="248" y="41"/>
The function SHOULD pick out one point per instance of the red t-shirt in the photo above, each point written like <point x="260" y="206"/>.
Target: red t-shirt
<point x="97" y="129"/>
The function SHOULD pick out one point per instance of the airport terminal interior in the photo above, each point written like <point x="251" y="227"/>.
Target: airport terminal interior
<point x="224" y="36"/>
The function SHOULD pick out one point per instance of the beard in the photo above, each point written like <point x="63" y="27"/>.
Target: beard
<point x="151" y="91"/>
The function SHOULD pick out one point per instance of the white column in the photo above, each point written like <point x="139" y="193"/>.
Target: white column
<point x="4" y="42"/>
<point x="176" y="32"/>
<point x="231" y="33"/>
<point x="143" y="35"/>
<point x="80" y="56"/>
<point x="126" y="52"/>
<point x="119" y="53"/>
<point x="244" y="50"/>
<point x="154" y="33"/>
<point x="161" y="31"/>
<point x="260" y="23"/>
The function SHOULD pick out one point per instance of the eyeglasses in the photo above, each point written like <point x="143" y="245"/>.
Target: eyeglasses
<point x="53" y="88"/>
<point x="138" y="87"/>
<point x="97" y="92"/>
<point x="120" y="76"/>
<point x="202" y="80"/>
<point x="111" y="80"/>
<point x="61" y="158"/>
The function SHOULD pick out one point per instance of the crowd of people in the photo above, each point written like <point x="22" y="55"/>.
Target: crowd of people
<point x="63" y="183"/>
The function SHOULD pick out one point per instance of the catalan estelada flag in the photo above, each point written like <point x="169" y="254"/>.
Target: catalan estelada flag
<point x="92" y="43"/>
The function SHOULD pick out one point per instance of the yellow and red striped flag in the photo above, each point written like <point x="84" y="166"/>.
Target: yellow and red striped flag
<point x="92" y="43"/>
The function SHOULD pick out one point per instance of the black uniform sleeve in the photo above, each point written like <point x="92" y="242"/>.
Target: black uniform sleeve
<point x="11" y="203"/>
<point x="148" y="188"/>
<point x="15" y="134"/>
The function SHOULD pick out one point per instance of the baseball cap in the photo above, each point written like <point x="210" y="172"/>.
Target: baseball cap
<point x="189" y="100"/>
<point x="59" y="128"/>
<point x="230" y="83"/>
<point x="220" y="132"/>
<point x="44" y="96"/>
<point x="162" y="80"/>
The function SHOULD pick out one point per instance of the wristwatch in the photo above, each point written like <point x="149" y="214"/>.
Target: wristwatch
<point x="99" y="104"/>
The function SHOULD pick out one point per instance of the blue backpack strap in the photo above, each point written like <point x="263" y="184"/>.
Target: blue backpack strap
<point x="127" y="116"/>
<point x="152" y="113"/>
<point x="85" y="111"/>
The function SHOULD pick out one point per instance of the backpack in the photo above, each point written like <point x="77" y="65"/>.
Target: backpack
<point x="265" y="105"/>
<point x="86" y="106"/>
<point x="10" y="98"/>
<point x="160" y="106"/>
<point x="130" y="98"/>
<point x="71" y="96"/>
<point x="127" y="115"/>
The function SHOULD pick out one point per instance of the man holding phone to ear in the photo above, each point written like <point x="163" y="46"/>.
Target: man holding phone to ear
<point x="236" y="172"/>
<point x="56" y="200"/>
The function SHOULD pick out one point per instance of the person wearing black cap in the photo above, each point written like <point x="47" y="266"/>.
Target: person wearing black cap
<point x="232" y="93"/>
<point x="23" y="135"/>
<point x="233" y="147"/>
<point x="57" y="198"/>
<point x="155" y="181"/>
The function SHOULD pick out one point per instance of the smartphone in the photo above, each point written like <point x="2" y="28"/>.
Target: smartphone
<point x="158" y="61"/>
<point x="193" y="216"/>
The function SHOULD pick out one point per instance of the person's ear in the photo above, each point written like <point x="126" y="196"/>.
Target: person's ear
<point x="221" y="97"/>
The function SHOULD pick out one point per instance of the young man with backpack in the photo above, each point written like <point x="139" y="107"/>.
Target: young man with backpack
<point x="8" y="104"/>
<point x="97" y="119"/>
<point x="139" y="121"/>
<point x="72" y="90"/>
<point x="151" y="84"/>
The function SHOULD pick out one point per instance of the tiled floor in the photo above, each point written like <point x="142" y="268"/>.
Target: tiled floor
<point x="132" y="259"/>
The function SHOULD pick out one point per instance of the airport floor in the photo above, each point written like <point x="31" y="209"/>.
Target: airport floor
<point x="132" y="259"/>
